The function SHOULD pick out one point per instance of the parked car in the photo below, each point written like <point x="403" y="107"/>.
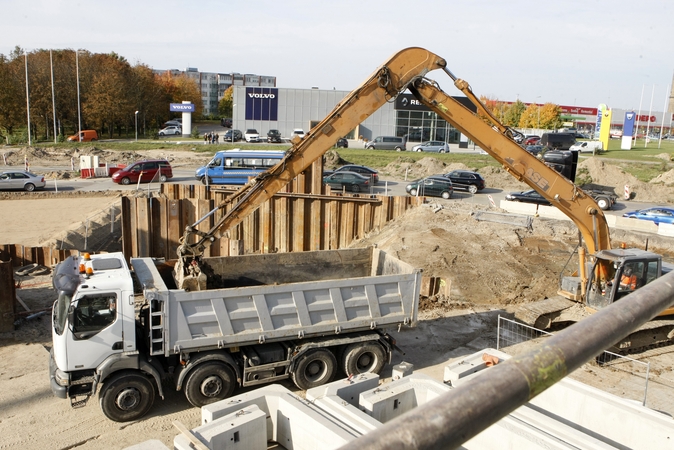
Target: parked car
<point x="297" y="132"/>
<point x="20" y="179"/>
<point x="534" y="149"/>
<point x="362" y="170"/>
<point x="587" y="146"/>
<point x="147" y="171"/>
<point x="274" y="137"/>
<point x="351" y="181"/>
<point x="251" y="135"/>
<point x="342" y="143"/>
<point x="84" y="136"/>
<point x="466" y="180"/>
<point x="530" y="196"/>
<point x="432" y="146"/>
<point x="657" y="214"/>
<point x="433" y="186"/>
<point x="171" y="130"/>
<point x="232" y="136"/>
<point x="226" y="122"/>
<point x="387" y="143"/>
<point x="173" y="123"/>
<point x="531" y="140"/>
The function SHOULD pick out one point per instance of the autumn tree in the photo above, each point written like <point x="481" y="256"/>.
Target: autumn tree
<point x="512" y="114"/>
<point x="529" y="118"/>
<point x="226" y="104"/>
<point x="551" y="116"/>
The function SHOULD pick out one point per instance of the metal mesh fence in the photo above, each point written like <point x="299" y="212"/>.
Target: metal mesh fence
<point x="99" y="232"/>
<point x="617" y="374"/>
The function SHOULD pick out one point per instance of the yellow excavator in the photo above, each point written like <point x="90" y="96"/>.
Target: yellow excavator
<point x="603" y="276"/>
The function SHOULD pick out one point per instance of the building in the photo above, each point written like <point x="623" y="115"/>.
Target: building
<point x="213" y="85"/>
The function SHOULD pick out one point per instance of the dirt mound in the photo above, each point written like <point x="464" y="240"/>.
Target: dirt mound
<point x="606" y="175"/>
<point x="498" y="178"/>
<point x="405" y="167"/>
<point x="332" y="160"/>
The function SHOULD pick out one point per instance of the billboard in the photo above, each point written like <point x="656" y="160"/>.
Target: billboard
<point x="261" y="103"/>
<point x="628" y="130"/>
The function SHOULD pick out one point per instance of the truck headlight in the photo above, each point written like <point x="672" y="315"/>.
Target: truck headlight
<point x="61" y="377"/>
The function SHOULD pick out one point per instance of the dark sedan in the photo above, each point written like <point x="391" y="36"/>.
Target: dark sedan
<point x="433" y="186"/>
<point x="657" y="214"/>
<point x="365" y="171"/>
<point x="342" y="143"/>
<point x="530" y="196"/>
<point x="350" y="181"/>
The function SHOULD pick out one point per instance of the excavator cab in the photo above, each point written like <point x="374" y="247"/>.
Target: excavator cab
<point x="617" y="273"/>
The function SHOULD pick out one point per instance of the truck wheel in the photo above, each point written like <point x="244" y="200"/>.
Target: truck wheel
<point x="209" y="383"/>
<point x="316" y="367"/>
<point x="603" y="203"/>
<point x="126" y="396"/>
<point x="365" y="357"/>
<point x="472" y="189"/>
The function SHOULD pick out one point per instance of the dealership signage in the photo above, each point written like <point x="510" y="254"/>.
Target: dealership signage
<point x="261" y="103"/>
<point x="408" y="102"/>
<point x="182" y="107"/>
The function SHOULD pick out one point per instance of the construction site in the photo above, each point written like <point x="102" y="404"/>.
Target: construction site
<point x="283" y="315"/>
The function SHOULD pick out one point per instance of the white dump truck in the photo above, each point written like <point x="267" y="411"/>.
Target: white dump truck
<point x="120" y="331"/>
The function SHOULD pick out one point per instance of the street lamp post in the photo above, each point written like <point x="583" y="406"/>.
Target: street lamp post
<point x="136" y="114"/>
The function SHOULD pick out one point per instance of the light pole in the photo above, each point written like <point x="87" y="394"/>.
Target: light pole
<point x="136" y="114"/>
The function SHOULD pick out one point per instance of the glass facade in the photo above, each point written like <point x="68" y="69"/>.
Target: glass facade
<point x="424" y="126"/>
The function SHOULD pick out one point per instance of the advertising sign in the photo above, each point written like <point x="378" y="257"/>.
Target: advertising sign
<point x="600" y="113"/>
<point x="182" y="107"/>
<point x="261" y="103"/>
<point x="628" y="130"/>
<point x="605" y="126"/>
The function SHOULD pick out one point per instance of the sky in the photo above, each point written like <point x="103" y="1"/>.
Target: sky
<point x="571" y="52"/>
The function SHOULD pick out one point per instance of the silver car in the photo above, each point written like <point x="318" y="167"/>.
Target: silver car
<point x="171" y="130"/>
<point x="20" y="179"/>
<point x="432" y="146"/>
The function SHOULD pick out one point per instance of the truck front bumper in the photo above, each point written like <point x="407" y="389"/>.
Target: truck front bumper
<point x="58" y="390"/>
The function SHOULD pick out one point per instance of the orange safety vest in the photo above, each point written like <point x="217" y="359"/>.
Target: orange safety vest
<point x="629" y="281"/>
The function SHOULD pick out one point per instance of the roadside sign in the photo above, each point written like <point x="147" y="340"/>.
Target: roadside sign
<point x="491" y="200"/>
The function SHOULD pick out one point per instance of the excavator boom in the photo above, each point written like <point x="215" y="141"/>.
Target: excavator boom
<point x="384" y="84"/>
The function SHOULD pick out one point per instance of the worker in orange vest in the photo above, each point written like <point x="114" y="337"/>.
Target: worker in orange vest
<point x="628" y="281"/>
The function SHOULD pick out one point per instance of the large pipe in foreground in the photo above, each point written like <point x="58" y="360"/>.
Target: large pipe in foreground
<point x="455" y="417"/>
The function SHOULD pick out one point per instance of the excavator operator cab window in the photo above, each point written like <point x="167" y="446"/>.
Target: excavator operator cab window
<point x="601" y="284"/>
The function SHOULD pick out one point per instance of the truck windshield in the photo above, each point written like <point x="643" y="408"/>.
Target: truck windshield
<point x="61" y="311"/>
<point x="93" y="313"/>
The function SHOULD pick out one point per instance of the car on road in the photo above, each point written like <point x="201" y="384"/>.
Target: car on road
<point x="350" y="181"/>
<point x="226" y="122"/>
<point x="433" y="186"/>
<point x="251" y="135"/>
<point x="232" y="136"/>
<point x="530" y="196"/>
<point x="297" y="132"/>
<point x="171" y="130"/>
<point x="21" y="179"/>
<point x="365" y="171"/>
<point x="531" y="140"/>
<point x="466" y="180"/>
<point x="657" y="214"/>
<point x="274" y="136"/>
<point x="151" y="170"/>
<point x="342" y="143"/>
<point x="432" y="146"/>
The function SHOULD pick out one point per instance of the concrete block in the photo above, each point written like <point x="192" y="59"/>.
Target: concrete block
<point x="402" y="370"/>
<point x="666" y="229"/>
<point x="461" y="368"/>
<point x="244" y="429"/>
<point x="347" y="390"/>
<point x="551" y="212"/>
<point x="152" y="444"/>
<point x="518" y="207"/>
<point x="390" y="401"/>
<point x="636" y="224"/>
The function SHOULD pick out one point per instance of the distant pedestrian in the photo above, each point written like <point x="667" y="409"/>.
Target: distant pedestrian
<point x="217" y="138"/>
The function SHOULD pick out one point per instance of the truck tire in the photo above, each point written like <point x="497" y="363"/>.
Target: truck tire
<point x="315" y="368"/>
<point x="603" y="203"/>
<point x="210" y="382"/>
<point x="126" y="396"/>
<point x="365" y="357"/>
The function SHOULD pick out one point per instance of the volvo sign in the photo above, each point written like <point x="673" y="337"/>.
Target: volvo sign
<point x="182" y="107"/>
<point x="261" y="103"/>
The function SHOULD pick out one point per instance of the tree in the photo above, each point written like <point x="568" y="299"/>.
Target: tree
<point x="511" y="116"/>
<point x="551" y="116"/>
<point x="529" y="118"/>
<point x="226" y="105"/>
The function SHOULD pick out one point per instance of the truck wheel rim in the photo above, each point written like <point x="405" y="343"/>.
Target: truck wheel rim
<point x="211" y="386"/>
<point x="128" y="399"/>
<point x="315" y="371"/>
<point x="364" y="363"/>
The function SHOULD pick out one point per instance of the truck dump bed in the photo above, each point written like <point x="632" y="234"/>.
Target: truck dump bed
<point x="270" y="297"/>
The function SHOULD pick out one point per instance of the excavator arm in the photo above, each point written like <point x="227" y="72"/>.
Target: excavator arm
<point x="495" y="139"/>
<point x="383" y="85"/>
